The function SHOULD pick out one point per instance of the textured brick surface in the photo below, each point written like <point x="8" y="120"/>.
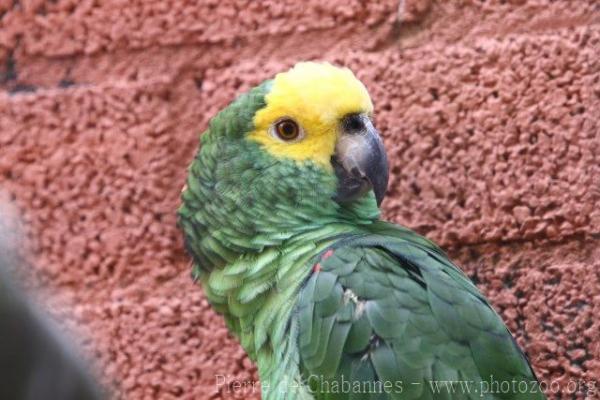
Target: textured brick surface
<point x="489" y="111"/>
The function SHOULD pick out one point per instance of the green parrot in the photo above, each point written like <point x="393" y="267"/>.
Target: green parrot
<point x="280" y="214"/>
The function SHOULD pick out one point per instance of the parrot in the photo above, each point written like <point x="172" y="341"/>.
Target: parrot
<point x="280" y="214"/>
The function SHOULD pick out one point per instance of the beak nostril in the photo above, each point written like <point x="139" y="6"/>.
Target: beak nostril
<point x="353" y="123"/>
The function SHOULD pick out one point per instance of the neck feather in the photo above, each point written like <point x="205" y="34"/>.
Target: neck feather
<point x="253" y="224"/>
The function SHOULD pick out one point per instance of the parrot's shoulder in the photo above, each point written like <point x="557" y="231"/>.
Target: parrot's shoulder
<point x="388" y="306"/>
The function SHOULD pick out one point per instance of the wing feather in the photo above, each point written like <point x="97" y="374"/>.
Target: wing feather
<point x="390" y="308"/>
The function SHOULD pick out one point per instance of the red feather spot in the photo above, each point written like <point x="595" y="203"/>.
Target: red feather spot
<point x="327" y="254"/>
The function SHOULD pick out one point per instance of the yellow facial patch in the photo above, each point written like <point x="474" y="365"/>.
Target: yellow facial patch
<point x="317" y="96"/>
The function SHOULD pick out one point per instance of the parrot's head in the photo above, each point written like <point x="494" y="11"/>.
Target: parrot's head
<point x="320" y="114"/>
<point x="298" y="149"/>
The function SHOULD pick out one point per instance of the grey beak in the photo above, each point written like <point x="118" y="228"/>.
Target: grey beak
<point x="360" y="162"/>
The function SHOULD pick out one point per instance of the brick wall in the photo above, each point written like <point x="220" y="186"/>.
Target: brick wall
<point x="489" y="111"/>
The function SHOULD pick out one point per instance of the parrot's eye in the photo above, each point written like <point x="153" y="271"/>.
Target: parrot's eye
<point x="287" y="130"/>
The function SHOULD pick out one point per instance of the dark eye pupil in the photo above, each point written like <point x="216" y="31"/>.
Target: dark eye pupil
<point x="287" y="129"/>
